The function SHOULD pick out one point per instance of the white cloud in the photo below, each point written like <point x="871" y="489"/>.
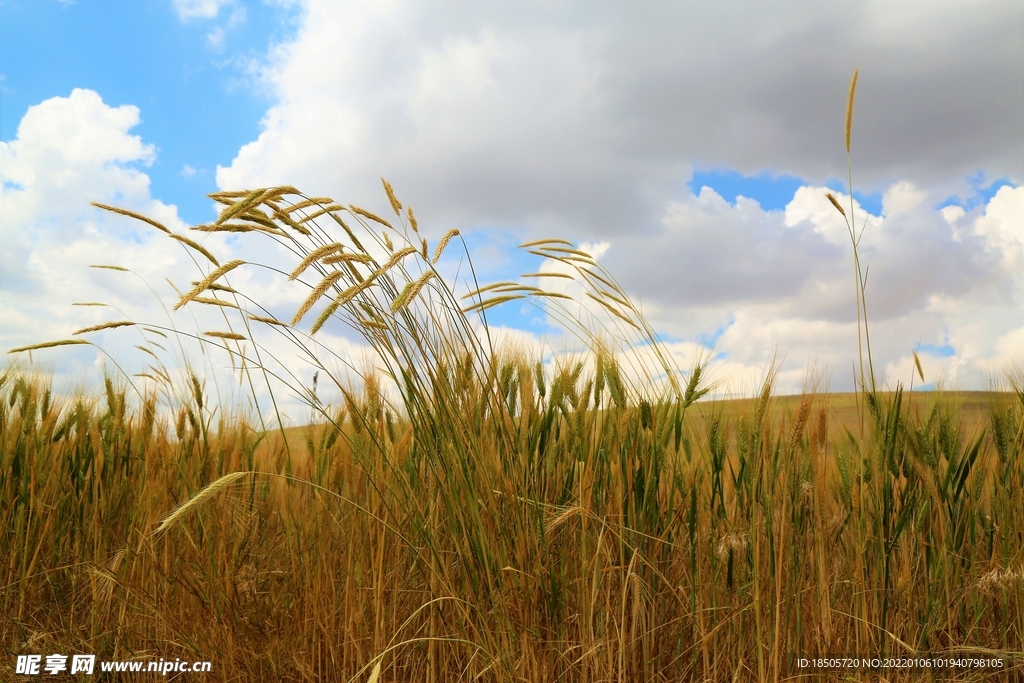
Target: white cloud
<point x="68" y="152"/>
<point x="585" y="121"/>
<point x="902" y="197"/>
<point x="199" y="9"/>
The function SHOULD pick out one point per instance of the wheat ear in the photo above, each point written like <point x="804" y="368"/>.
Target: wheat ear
<point x="205" y="494"/>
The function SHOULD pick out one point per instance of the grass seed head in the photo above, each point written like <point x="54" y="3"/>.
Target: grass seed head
<point x="396" y="205"/>
<point x="849" y="108"/>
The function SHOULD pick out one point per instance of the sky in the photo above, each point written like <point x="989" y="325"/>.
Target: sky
<point x="689" y="144"/>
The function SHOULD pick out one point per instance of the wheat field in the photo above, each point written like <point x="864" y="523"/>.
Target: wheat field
<point x="468" y="512"/>
<point x="494" y="517"/>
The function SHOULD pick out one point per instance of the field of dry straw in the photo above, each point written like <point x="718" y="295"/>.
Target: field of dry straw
<point x="467" y="512"/>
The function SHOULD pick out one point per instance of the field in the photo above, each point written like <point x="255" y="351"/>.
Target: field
<point x="467" y="512"/>
<point x="606" y="545"/>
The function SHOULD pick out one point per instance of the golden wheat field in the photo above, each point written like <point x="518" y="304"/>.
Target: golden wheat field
<point x="471" y="513"/>
<point x="467" y="512"/>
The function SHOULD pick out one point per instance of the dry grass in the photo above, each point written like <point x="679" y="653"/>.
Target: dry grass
<point x="499" y="518"/>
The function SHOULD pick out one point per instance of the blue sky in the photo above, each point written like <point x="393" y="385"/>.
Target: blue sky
<point x="640" y="134"/>
<point x="199" y="100"/>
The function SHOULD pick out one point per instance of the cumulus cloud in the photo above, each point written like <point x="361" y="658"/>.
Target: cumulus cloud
<point x="587" y="117"/>
<point x="68" y="152"/>
<point x="586" y="120"/>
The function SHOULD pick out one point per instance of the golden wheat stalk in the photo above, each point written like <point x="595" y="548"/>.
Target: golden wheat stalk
<point x="567" y="259"/>
<point x="395" y="204"/>
<point x="835" y="202"/>
<point x="553" y="295"/>
<point x="316" y="214"/>
<point x="205" y="283"/>
<point x="849" y="108"/>
<point x="103" y="326"/>
<point x="619" y="300"/>
<point x="318" y="292"/>
<point x="211" y="301"/>
<point x="195" y="501"/>
<point x="375" y="324"/>
<point x="325" y="315"/>
<point x="454" y="232"/>
<point x="312" y="201"/>
<point x="88" y="303"/>
<point x="118" y="268"/>
<point x="590" y="274"/>
<point x="367" y="214"/>
<point x="240" y="207"/>
<point x="225" y="335"/>
<point x="348" y="258"/>
<point x="561" y="275"/>
<point x="396" y="257"/>
<point x="353" y="291"/>
<point x="198" y="247"/>
<point x="228" y="227"/>
<point x="487" y="288"/>
<point x="291" y="222"/>
<point x="412" y="219"/>
<point x="569" y="250"/>
<point x="410" y="291"/>
<point x="312" y="256"/>
<point x="216" y="287"/>
<point x="145" y="350"/>
<point x="277" y="192"/>
<point x="490" y="303"/>
<point x="51" y="344"/>
<point x="131" y="214"/>
<point x="614" y="311"/>
<point x="268" y="321"/>
<point x="537" y="243"/>
<point x="228" y="195"/>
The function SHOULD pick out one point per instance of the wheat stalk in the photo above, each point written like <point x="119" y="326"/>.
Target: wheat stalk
<point x="205" y="494"/>
<point x="326" y="209"/>
<point x="205" y="283"/>
<point x="537" y="243"/>
<point x="395" y="204"/>
<point x="368" y="214"/>
<point x="312" y="256"/>
<point x="198" y="247"/>
<point x="104" y="326"/>
<point x="412" y="219"/>
<point x="318" y="292"/>
<point x="849" y="108"/>
<point x="348" y="258"/>
<point x="835" y="202"/>
<point x="211" y="301"/>
<point x="225" y="335"/>
<point x="454" y="232"/>
<point x="410" y="291"/>
<point x="239" y="207"/>
<point x="131" y="214"/>
<point x="268" y="321"/>
<point x="312" y="201"/>
<point x="47" y="345"/>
